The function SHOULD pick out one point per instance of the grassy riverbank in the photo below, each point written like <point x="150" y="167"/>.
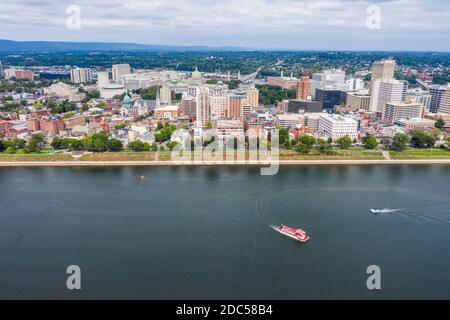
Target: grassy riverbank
<point x="285" y="155"/>
<point x="420" y="154"/>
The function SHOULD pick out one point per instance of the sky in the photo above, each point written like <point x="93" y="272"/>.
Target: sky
<point x="422" y="25"/>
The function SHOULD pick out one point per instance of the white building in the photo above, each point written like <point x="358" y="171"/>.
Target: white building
<point x="383" y="70"/>
<point x="141" y="80"/>
<point x="333" y="79"/>
<point x="102" y="79"/>
<point x="335" y="126"/>
<point x="60" y="89"/>
<point x="80" y="75"/>
<point x="107" y="89"/>
<point x="119" y="71"/>
<point x="64" y="90"/>
<point x="384" y="91"/>
<point x="398" y="110"/>
<point x="355" y="84"/>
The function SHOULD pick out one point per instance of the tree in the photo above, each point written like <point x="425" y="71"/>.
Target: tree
<point x="309" y="141"/>
<point x="146" y="147"/>
<point x="370" y="142"/>
<point x="440" y="123"/>
<point x="114" y="145"/>
<point x="233" y="84"/>
<point x="59" y="143"/>
<point x="9" y="150"/>
<point x="172" y="144"/>
<point x="99" y="142"/>
<point x="421" y="139"/>
<point x="76" y="144"/>
<point x="36" y="143"/>
<point x="154" y="147"/>
<point x="2" y="146"/>
<point x="284" y="136"/>
<point x="400" y="142"/>
<point x="302" y="148"/>
<point x="18" y="143"/>
<point x="136" y="146"/>
<point x="344" y="142"/>
<point x="288" y="145"/>
<point x="165" y="134"/>
<point x="149" y="93"/>
<point x="325" y="146"/>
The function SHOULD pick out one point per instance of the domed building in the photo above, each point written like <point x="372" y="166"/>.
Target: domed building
<point x="126" y="102"/>
<point x="196" y="75"/>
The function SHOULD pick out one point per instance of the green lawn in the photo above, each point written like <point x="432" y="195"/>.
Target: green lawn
<point x="35" y="157"/>
<point x="352" y="154"/>
<point x="420" y="154"/>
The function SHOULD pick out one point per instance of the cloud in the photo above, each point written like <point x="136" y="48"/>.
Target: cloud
<point x="260" y="23"/>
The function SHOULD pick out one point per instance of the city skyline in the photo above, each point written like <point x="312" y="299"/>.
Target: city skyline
<point x="407" y="25"/>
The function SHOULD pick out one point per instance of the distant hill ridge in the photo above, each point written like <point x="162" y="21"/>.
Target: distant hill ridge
<point x="44" y="46"/>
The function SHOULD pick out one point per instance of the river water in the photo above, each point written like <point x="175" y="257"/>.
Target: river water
<point x="204" y="232"/>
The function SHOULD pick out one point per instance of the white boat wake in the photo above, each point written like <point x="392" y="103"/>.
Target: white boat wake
<point x="385" y="210"/>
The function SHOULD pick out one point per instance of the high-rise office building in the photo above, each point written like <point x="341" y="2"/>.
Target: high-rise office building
<point x="444" y="106"/>
<point x="120" y="70"/>
<point x="303" y="88"/>
<point x="188" y="105"/>
<point x="1" y="71"/>
<point x="437" y="92"/>
<point x="387" y="91"/>
<point x="381" y="71"/>
<point x="235" y="106"/>
<point x="330" y="98"/>
<point x="80" y="75"/>
<point x="203" y="106"/>
<point x="253" y="97"/>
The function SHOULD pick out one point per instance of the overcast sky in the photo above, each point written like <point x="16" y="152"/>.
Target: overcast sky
<point x="277" y="24"/>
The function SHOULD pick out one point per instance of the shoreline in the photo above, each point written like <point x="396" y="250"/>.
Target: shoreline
<point x="212" y="164"/>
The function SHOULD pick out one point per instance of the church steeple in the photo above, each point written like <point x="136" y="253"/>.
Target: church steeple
<point x="158" y="100"/>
